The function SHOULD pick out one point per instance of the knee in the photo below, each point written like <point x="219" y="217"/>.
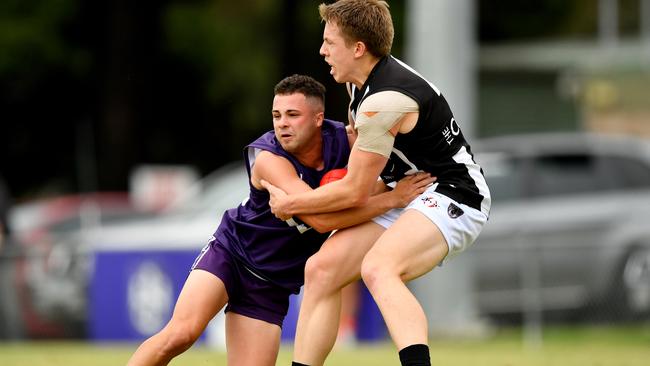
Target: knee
<point x="320" y="273"/>
<point x="178" y="339"/>
<point x="373" y="273"/>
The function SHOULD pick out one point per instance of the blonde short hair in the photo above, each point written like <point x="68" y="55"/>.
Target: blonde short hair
<point x="368" y="21"/>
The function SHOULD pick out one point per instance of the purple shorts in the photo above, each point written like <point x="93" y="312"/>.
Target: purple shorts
<point x="248" y="294"/>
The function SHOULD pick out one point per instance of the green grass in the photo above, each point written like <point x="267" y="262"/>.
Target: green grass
<point x="561" y="346"/>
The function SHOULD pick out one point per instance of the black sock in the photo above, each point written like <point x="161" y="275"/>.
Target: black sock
<point x="415" y="355"/>
<point x="294" y="363"/>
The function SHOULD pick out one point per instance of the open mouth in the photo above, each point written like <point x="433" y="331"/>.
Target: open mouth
<point x="330" y="65"/>
<point x="331" y="69"/>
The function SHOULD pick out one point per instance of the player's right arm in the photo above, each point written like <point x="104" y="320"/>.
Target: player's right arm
<point x="404" y="192"/>
<point x="280" y="172"/>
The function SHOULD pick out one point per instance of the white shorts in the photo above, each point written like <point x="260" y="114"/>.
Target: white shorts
<point x="459" y="223"/>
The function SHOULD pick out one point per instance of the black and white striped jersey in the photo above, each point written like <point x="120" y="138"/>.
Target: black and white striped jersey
<point x="436" y="143"/>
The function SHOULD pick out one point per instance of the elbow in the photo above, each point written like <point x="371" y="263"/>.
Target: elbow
<point x="320" y="224"/>
<point x="357" y="192"/>
<point x="323" y="229"/>
<point x="358" y="198"/>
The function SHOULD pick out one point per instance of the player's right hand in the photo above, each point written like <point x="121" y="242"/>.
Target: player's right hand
<point x="276" y="195"/>
<point x="410" y="187"/>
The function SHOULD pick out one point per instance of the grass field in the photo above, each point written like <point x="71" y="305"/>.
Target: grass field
<point x="584" y="346"/>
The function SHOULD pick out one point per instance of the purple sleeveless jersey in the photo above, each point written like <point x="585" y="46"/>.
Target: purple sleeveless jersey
<point x="273" y="249"/>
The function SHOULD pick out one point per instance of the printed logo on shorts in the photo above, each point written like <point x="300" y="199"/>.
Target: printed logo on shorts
<point x="454" y="211"/>
<point x="430" y="202"/>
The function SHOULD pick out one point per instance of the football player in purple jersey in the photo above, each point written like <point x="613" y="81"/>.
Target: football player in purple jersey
<point x="255" y="261"/>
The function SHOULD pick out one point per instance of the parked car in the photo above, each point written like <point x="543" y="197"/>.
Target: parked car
<point x="188" y="224"/>
<point x="569" y="226"/>
<point x="44" y="271"/>
<point x="55" y="265"/>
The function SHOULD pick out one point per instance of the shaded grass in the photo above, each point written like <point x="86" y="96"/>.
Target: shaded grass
<point x="565" y="346"/>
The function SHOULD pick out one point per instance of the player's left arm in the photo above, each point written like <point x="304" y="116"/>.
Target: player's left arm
<point x="277" y="170"/>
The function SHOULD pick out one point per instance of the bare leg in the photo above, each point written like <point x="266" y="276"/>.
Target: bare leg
<point x="335" y="265"/>
<point x="400" y="255"/>
<point x="202" y="297"/>
<point x="348" y="321"/>
<point x="251" y="342"/>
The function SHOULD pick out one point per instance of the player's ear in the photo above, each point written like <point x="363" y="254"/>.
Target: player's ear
<point x="359" y="49"/>
<point x="320" y="116"/>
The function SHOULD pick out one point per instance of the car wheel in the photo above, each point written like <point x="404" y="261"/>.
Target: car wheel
<point x="635" y="281"/>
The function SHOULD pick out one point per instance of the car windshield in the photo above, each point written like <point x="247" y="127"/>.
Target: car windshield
<point x="217" y="190"/>
<point x="555" y="174"/>
<point x="504" y="175"/>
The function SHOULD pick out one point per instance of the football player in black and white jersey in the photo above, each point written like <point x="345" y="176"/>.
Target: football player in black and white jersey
<point x="403" y="125"/>
<point x="253" y="261"/>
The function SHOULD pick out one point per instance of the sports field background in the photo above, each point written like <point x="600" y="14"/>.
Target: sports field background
<point x="562" y="346"/>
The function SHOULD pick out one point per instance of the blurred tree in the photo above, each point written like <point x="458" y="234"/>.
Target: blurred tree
<point x="232" y="49"/>
<point x="186" y="82"/>
<point x="161" y="81"/>
<point x="40" y="77"/>
<point x="629" y="16"/>
<point x="32" y="42"/>
<point x="512" y="20"/>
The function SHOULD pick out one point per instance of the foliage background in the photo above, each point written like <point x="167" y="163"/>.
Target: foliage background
<point x="90" y="89"/>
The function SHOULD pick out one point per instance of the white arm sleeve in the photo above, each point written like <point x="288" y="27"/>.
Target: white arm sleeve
<point x="376" y="116"/>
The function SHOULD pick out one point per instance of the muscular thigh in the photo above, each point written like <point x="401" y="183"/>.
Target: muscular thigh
<point x="201" y="298"/>
<point x="251" y="341"/>
<point x="411" y="247"/>
<point x="345" y="249"/>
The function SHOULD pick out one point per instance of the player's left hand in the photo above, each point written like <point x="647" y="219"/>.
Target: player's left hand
<point x="276" y="198"/>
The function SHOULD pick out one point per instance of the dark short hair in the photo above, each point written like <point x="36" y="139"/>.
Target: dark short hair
<point x="302" y="84"/>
